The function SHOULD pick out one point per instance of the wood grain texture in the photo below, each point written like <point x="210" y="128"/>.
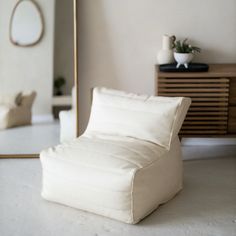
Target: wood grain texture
<point x="211" y="93"/>
<point x="232" y="120"/>
<point x="232" y="92"/>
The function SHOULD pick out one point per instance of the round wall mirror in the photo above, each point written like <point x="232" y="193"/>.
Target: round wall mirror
<point x="26" y="26"/>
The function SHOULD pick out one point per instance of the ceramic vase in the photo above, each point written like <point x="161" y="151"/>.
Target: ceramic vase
<point x="183" y="59"/>
<point x="165" y="55"/>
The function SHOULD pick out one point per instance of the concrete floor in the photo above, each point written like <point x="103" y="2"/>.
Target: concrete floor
<point x="206" y="206"/>
<point x="29" y="139"/>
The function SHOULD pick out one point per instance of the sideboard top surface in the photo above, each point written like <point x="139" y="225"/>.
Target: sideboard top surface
<point x="215" y="70"/>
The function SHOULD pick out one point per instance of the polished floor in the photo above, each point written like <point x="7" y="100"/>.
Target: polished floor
<point x="205" y="207"/>
<point x="29" y="139"/>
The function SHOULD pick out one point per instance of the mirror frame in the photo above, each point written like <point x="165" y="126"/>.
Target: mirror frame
<point x="41" y="19"/>
<point x="76" y="82"/>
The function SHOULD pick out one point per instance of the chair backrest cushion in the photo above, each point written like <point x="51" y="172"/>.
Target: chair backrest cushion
<point x="10" y="99"/>
<point x="28" y="99"/>
<point x="151" y="118"/>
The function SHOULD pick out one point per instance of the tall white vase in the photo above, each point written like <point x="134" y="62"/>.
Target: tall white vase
<point x="165" y="55"/>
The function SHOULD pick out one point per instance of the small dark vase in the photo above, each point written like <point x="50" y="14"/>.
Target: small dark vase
<point x="59" y="93"/>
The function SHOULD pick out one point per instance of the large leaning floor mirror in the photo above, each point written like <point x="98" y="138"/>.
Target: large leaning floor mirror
<point x="38" y="76"/>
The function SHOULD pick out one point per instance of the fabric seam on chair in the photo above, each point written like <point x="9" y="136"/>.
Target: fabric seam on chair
<point x="88" y="186"/>
<point x="112" y="155"/>
<point x="132" y="149"/>
<point x="173" y="124"/>
<point x="128" y="109"/>
<point x="95" y="204"/>
<point x="137" y="170"/>
<point x="131" y="196"/>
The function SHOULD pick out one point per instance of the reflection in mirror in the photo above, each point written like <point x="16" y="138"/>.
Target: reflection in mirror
<point x="26" y="26"/>
<point x="36" y="108"/>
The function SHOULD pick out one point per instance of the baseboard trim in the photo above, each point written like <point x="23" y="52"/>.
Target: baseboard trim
<point x="42" y="118"/>
<point x="208" y="141"/>
<point x="193" y="152"/>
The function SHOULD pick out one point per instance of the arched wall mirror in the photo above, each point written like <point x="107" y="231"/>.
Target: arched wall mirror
<point x="27" y="23"/>
<point x="38" y="89"/>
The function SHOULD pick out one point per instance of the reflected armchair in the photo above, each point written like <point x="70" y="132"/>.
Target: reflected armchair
<point x="16" y="110"/>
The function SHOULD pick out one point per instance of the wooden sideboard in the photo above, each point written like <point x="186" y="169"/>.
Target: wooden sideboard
<point x="213" y="94"/>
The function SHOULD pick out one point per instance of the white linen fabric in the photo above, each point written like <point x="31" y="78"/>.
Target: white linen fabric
<point x="68" y="121"/>
<point x="67" y="125"/>
<point x="117" y="177"/>
<point x="127" y="162"/>
<point x="150" y="118"/>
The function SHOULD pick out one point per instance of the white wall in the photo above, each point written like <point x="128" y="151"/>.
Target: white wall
<point x="119" y="40"/>
<point x="28" y="68"/>
<point x="63" y="48"/>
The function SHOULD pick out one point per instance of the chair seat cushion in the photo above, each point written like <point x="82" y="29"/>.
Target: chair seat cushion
<point x="118" y="177"/>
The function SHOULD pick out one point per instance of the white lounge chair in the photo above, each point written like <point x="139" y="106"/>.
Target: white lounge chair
<point x="127" y="162"/>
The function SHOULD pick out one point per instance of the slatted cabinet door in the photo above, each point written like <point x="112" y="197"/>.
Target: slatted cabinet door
<point x="209" y="109"/>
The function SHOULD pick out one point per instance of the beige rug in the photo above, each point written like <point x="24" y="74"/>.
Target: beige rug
<point x="206" y="206"/>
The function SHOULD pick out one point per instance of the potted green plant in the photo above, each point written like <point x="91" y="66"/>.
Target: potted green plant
<point x="184" y="52"/>
<point x="59" y="82"/>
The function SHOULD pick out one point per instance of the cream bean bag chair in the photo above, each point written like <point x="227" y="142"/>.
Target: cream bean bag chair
<point x="16" y="109"/>
<point x="127" y="162"/>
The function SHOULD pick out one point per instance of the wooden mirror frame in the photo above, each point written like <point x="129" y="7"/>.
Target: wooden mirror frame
<point x="41" y="19"/>
<point x="76" y="80"/>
